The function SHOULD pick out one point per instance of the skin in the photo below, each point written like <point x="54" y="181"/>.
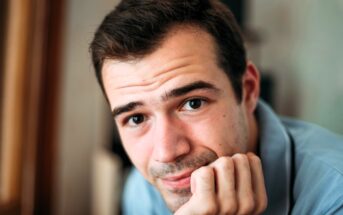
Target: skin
<point x="183" y="128"/>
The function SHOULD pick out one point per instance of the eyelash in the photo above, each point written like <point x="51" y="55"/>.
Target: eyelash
<point x="204" y="101"/>
<point x="128" y="118"/>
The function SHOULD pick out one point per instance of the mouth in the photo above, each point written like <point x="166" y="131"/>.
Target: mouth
<point x="178" y="182"/>
<point x="175" y="178"/>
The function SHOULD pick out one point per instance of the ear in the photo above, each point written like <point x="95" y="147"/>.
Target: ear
<point x="251" y="87"/>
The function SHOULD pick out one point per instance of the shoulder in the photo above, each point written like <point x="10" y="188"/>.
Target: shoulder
<point x="316" y="143"/>
<point x="318" y="183"/>
<point x="140" y="197"/>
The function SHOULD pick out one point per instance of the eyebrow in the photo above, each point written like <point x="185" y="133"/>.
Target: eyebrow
<point x="197" y="85"/>
<point x="125" y="108"/>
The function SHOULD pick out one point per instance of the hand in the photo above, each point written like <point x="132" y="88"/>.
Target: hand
<point x="229" y="185"/>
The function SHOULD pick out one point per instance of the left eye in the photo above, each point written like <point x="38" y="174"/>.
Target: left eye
<point x="193" y="104"/>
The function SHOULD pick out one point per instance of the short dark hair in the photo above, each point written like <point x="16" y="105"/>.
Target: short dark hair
<point x="136" y="28"/>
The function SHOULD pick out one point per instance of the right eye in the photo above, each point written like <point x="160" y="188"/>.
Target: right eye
<point x="135" y="120"/>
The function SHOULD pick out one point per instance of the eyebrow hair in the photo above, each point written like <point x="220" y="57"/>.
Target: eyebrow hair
<point x="197" y="85"/>
<point x="125" y="108"/>
<point x="173" y="93"/>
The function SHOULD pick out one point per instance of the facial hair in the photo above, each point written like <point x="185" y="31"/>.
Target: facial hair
<point x="161" y="170"/>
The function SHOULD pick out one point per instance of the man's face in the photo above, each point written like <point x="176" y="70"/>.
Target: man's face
<point x="176" y="111"/>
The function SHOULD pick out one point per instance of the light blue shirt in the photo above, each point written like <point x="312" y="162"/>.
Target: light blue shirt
<point x="302" y="166"/>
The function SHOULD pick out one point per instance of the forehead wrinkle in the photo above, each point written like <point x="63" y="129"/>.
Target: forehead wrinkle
<point x="175" y="64"/>
<point x="162" y="76"/>
<point x="142" y="84"/>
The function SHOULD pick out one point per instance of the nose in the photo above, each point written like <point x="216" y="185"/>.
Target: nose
<point x="170" y="140"/>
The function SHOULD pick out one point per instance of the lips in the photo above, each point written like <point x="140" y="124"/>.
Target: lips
<point x="177" y="182"/>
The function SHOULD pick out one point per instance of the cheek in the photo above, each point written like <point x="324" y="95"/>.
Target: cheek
<point x="218" y="133"/>
<point x="139" y="152"/>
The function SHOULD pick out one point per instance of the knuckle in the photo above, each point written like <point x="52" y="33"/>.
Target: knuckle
<point x="241" y="160"/>
<point x="240" y="157"/>
<point x="204" y="170"/>
<point x="225" y="162"/>
<point x="254" y="158"/>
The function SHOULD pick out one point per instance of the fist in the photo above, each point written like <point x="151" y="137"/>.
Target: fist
<point x="229" y="185"/>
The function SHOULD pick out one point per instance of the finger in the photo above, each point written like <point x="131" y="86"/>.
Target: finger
<point x="203" y="200"/>
<point x="203" y="182"/>
<point x="225" y="185"/>
<point x="245" y="195"/>
<point x="258" y="185"/>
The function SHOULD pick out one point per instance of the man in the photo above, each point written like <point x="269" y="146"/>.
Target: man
<point x="186" y="103"/>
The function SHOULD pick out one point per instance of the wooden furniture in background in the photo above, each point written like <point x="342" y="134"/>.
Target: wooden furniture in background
<point x="29" y="105"/>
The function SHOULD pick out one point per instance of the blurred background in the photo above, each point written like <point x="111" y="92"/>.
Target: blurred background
<point x="59" y="153"/>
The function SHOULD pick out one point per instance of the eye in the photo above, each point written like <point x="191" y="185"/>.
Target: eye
<point x="193" y="104"/>
<point x="135" y="120"/>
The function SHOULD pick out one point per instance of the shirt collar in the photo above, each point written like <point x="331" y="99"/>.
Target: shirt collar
<point x="275" y="153"/>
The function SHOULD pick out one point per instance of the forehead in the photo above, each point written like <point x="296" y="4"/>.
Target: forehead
<point x="186" y="53"/>
<point x="181" y="41"/>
